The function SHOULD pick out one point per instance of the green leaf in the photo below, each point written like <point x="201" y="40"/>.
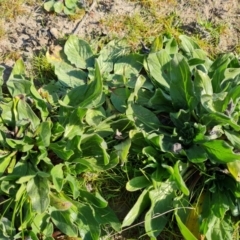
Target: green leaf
<point x="179" y="179"/>
<point x="181" y="86"/>
<point x="217" y="228"/>
<point x="161" y="202"/>
<point x="216" y="71"/>
<point x="19" y="87"/>
<point x="219" y="151"/>
<point x="58" y="7"/>
<point x="95" y="116"/>
<point x="157" y="44"/>
<point x="88" y="96"/>
<point x="233" y="137"/>
<point x="234" y="169"/>
<point x="129" y="65"/>
<point x="95" y="146"/>
<point x="161" y="101"/>
<point x="26" y="113"/>
<point x="73" y="185"/>
<point x="69" y="76"/>
<point x="143" y="117"/>
<point x="93" y="199"/>
<point x="57" y="176"/>
<point x="183" y="229"/>
<point x="79" y="52"/>
<point x="60" y="149"/>
<point x="171" y="46"/>
<point x="74" y="127"/>
<point x="202" y="84"/>
<point x="196" y="154"/>
<point x="157" y="64"/>
<point x="119" y="98"/>
<point x="122" y="150"/>
<point x="187" y="44"/>
<point x="18" y="70"/>
<point x="44" y="133"/>
<point x="140" y="205"/>
<point x="59" y="202"/>
<point x="137" y="183"/>
<point x="62" y="221"/>
<point x="71" y="3"/>
<point x="38" y="191"/>
<point x="48" y="6"/>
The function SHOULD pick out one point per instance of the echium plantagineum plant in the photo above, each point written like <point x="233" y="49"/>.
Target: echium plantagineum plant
<point x="189" y="135"/>
<point x="170" y="117"/>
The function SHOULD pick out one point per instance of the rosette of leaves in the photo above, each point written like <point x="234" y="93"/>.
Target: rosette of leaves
<point x="188" y="137"/>
<point x="47" y="148"/>
<point x="180" y="131"/>
<point x="68" y="7"/>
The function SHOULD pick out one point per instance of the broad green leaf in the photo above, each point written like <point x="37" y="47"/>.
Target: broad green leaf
<point x="219" y="151"/>
<point x="26" y="113"/>
<point x="93" y="199"/>
<point x="93" y="146"/>
<point x="217" y="228"/>
<point x="220" y="203"/>
<point x="71" y="3"/>
<point x="234" y="169"/>
<point x="158" y="67"/>
<point x="62" y="221"/>
<point x="122" y="150"/>
<point x="109" y="217"/>
<point x="216" y="71"/>
<point x="57" y="176"/>
<point x="181" y="86"/>
<point x="179" y="179"/>
<point x="140" y="205"/>
<point x="161" y="201"/>
<point x="74" y="127"/>
<point x="137" y="183"/>
<point x="87" y="223"/>
<point x="187" y="44"/>
<point x="4" y="162"/>
<point x="129" y="65"/>
<point x="58" y="7"/>
<point x="95" y="116"/>
<point x="79" y="52"/>
<point x="196" y="154"/>
<point x="87" y="96"/>
<point x="59" y="202"/>
<point x="44" y="133"/>
<point x="143" y="117"/>
<point x="157" y="44"/>
<point x="183" y="229"/>
<point x="161" y="101"/>
<point x="40" y="103"/>
<point x="38" y="191"/>
<point x="69" y="76"/>
<point x="233" y="137"/>
<point x="59" y="148"/>
<point x="171" y="46"/>
<point x="48" y="6"/>
<point x="18" y="70"/>
<point x="202" y="84"/>
<point x="119" y="98"/>
<point x="216" y="118"/>
<point x="18" y="87"/>
<point x="73" y="185"/>
<point x="109" y="54"/>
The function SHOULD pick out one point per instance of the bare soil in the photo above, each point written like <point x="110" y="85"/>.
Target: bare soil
<point x="36" y="29"/>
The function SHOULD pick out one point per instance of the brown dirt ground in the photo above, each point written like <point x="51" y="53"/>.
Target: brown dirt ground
<point x="35" y="30"/>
